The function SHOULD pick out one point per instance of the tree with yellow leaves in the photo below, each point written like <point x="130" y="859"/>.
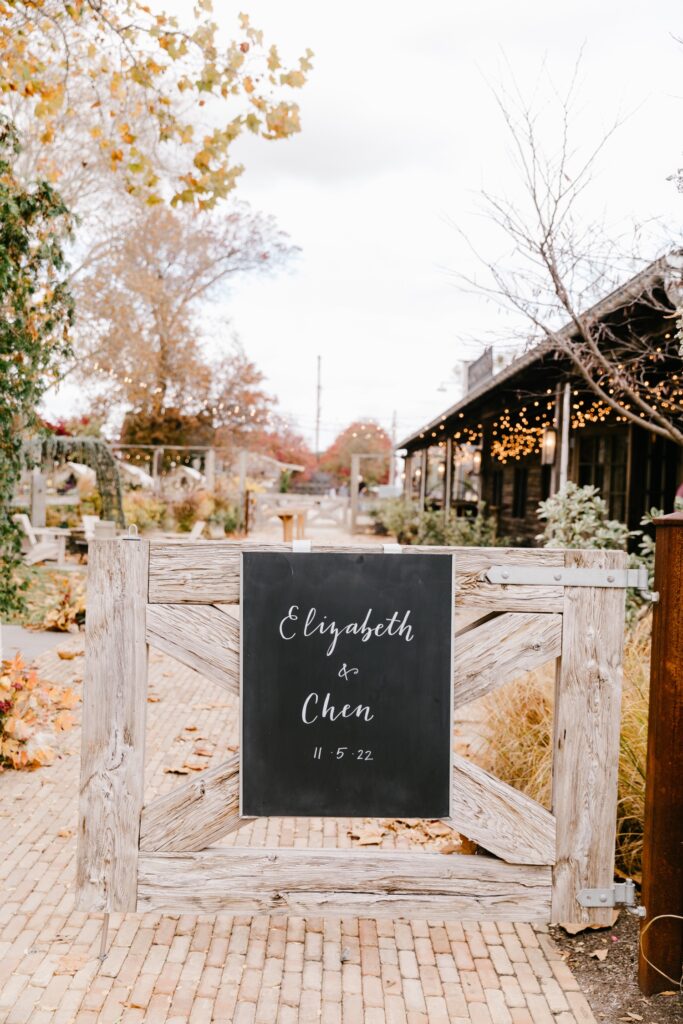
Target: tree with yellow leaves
<point x="133" y="86"/>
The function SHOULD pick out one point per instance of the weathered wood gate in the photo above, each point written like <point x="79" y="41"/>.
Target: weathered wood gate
<point x="543" y="604"/>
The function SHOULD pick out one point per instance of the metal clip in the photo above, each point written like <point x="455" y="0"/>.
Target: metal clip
<point x="621" y="894"/>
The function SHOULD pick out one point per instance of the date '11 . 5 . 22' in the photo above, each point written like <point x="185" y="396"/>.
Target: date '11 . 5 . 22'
<point x="341" y="752"/>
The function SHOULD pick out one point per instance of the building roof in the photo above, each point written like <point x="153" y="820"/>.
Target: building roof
<point x="664" y="271"/>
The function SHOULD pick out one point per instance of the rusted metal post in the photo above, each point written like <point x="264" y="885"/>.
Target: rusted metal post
<point x="662" y="944"/>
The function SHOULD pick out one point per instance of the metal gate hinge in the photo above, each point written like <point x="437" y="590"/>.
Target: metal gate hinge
<point x="573" y="576"/>
<point x="621" y="894"/>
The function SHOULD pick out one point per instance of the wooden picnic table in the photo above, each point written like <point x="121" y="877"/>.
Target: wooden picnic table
<point x="288" y="517"/>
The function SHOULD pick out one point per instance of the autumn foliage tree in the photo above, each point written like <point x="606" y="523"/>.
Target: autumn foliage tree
<point x="142" y="305"/>
<point x="281" y="441"/>
<point x="363" y="437"/>
<point x="157" y="100"/>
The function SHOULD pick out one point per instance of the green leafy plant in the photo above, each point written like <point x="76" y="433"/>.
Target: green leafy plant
<point x="577" y="517"/>
<point x="144" y="510"/>
<point x="411" y="526"/>
<point x="37" y="312"/>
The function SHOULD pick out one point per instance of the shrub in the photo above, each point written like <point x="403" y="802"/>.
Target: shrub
<point x="410" y="526"/>
<point x="144" y="510"/>
<point x="30" y="709"/>
<point x="576" y="517"/>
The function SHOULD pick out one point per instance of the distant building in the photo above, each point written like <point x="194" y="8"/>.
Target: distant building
<point x="509" y="442"/>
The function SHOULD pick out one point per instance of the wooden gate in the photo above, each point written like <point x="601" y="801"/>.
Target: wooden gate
<point x="542" y="604"/>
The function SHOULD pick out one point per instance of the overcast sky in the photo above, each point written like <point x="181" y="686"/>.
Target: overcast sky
<point x="400" y="132"/>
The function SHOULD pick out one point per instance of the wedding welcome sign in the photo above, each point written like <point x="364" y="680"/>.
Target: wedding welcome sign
<point x="346" y="684"/>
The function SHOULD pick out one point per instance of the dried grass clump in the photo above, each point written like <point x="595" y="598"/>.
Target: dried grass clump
<point x="519" y="741"/>
<point x="633" y="749"/>
<point x="519" y="734"/>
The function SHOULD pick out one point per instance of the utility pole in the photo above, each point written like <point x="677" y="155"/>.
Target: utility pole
<point x="318" y="393"/>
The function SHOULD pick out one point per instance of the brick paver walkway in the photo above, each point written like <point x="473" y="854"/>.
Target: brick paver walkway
<point x="178" y="969"/>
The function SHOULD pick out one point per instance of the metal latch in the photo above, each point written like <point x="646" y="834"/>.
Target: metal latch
<point x="572" y="576"/>
<point x="621" y="894"/>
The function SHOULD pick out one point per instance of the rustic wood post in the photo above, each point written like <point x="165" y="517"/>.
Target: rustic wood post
<point x="354" y="481"/>
<point x="586" y="755"/>
<point x="424" y="466"/>
<point x="114" y="711"/>
<point x="448" y="479"/>
<point x="38" y="497"/>
<point x="662" y="944"/>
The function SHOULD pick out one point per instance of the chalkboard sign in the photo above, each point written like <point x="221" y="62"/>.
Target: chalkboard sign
<point x="346" y="684"/>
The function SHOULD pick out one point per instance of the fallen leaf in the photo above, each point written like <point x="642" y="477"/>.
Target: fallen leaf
<point x="574" y="929"/>
<point x="467" y="845"/>
<point x="152" y="698"/>
<point x="176" y="771"/>
<point x="65" y="654"/>
<point x="65" y="833"/>
<point x="439" y="828"/>
<point x="203" y="752"/>
<point x="450" y="847"/>
<point x="63" y="721"/>
<point x="600" y="954"/>
<point x="370" y="838"/>
<point x="190" y="728"/>
<point x="68" y="699"/>
<point x="70" y="964"/>
<point x="194" y="766"/>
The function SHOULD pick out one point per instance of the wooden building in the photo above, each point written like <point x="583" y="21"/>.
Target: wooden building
<point x="517" y="435"/>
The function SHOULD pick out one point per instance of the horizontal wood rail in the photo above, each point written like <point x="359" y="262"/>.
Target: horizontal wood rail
<point x="343" y="882"/>
<point x="208" y="572"/>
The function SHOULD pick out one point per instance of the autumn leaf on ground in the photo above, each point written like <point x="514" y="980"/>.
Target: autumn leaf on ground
<point x="194" y="766"/>
<point x="450" y="847"/>
<point x="152" y="698"/>
<point x="65" y="654"/>
<point x="67" y="699"/>
<point x="176" y="771"/>
<point x="367" y="834"/>
<point x="63" y="721"/>
<point x="574" y="929"/>
<point x="65" y="833"/>
<point x="71" y="963"/>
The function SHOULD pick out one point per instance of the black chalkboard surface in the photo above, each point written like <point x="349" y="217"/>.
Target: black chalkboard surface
<point x="346" y="684"/>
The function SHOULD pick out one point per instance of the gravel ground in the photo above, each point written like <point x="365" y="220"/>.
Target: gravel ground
<point x="605" y="964"/>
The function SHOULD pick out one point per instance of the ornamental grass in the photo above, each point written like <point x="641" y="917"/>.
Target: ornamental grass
<point x="518" y="741"/>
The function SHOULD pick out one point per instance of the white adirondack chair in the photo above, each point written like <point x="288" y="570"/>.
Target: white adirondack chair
<point x="197" y="530"/>
<point x="194" y="534"/>
<point x="45" y="543"/>
<point x="89" y="526"/>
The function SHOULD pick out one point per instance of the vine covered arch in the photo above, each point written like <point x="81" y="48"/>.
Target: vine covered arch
<point x="91" y="451"/>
